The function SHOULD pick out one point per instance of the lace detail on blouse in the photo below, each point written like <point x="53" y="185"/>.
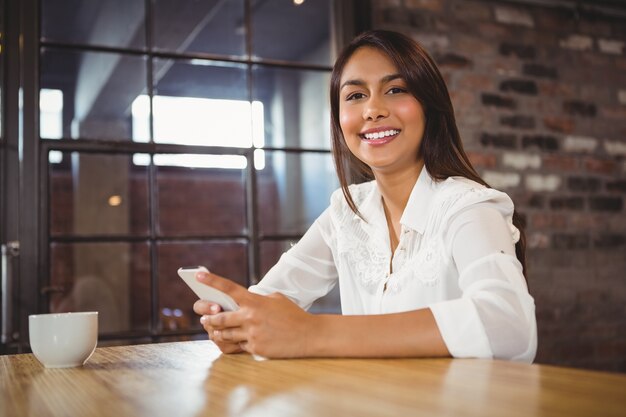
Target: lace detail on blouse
<point x="426" y="268"/>
<point x="367" y="264"/>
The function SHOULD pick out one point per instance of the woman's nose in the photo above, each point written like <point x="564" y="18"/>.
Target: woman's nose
<point x="374" y="110"/>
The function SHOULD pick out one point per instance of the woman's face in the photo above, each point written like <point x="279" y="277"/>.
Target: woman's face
<point x="381" y="121"/>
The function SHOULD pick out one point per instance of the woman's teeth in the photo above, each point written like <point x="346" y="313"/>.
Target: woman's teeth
<point x="380" y="135"/>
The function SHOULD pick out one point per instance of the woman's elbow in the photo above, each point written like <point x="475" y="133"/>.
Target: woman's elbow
<point x="516" y="340"/>
<point x="512" y="333"/>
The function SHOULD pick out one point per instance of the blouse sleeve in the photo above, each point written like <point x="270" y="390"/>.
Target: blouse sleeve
<point x="495" y="317"/>
<point x="305" y="272"/>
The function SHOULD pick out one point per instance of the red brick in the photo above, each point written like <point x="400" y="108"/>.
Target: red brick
<point x="540" y="71"/>
<point x="482" y="160"/>
<point x="501" y="65"/>
<point x="519" y="86"/>
<point x="550" y="19"/>
<point x="560" y="163"/>
<point x="567" y="203"/>
<point x="616" y="112"/>
<point x="471" y="11"/>
<point x="498" y="101"/>
<point x="452" y="61"/>
<point x="596" y="60"/>
<point x="518" y="121"/>
<point x="543" y="107"/>
<point x="545" y="220"/>
<point x="524" y="199"/>
<point x="571" y="241"/>
<point x="596" y="27"/>
<point x="475" y="82"/>
<point x="587" y="221"/>
<point x="433" y="5"/>
<point x="580" y="108"/>
<point x="462" y="99"/>
<point x="559" y="124"/>
<point x="555" y="89"/>
<point x="388" y="3"/>
<point x="612" y="348"/>
<point x="600" y="166"/>
<point x="494" y="31"/>
<point x="518" y="50"/>
<point x="616" y="186"/>
<point x="612" y="204"/>
<point x="620" y="63"/>
<point x="609" y="241"/>
<point x="473" y="46"/>
<point x="598" y="93"/>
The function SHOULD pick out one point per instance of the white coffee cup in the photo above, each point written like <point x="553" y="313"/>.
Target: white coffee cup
<point x="63" y="340"/>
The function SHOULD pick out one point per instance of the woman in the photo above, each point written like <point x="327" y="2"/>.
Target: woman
<point x="429" y="260"/>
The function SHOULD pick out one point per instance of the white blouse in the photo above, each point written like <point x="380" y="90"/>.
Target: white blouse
<point x="456" y="256"/>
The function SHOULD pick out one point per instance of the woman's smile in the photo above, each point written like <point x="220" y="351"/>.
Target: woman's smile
<point x="379" y="136"/>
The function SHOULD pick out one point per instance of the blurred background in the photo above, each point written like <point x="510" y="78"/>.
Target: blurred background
<point x="138" y="136"/>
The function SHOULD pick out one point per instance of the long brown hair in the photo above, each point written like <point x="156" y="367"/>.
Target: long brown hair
<point x="441" y="148"/>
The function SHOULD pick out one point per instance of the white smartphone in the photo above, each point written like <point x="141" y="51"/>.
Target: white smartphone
<point x="204" y="292"/>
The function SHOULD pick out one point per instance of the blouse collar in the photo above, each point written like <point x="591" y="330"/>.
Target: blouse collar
<point x="417" y="209"/>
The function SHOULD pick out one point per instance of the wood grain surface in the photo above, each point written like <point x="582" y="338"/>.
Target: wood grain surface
<point x="193" y="379"/>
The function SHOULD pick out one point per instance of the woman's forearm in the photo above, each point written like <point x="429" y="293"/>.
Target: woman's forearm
<point x="410" y="334"/>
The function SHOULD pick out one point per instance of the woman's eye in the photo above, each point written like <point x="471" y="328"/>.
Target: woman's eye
<point x="355" y="96"/>
<point x="396" y="90"/>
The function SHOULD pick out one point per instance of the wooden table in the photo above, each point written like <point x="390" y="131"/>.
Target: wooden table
<point x="193" y="379"/>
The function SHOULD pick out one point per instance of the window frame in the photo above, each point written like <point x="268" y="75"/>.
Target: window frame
<point x="32" y="228"/>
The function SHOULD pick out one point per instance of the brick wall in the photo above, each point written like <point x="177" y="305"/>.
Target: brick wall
<point x="540" y="99"/>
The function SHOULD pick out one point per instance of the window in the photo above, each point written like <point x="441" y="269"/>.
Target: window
<point x="51" y="119"/>
<point x="202" y="122"/>
<point x="186" y="133"/>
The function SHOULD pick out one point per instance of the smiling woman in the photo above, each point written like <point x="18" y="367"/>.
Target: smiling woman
<point x="429" y="259"/>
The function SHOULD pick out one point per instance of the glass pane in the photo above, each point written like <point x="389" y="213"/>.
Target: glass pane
<point x="285" y="30"/>
<point x="226" y="258"/>
<point x="91" y="94"/>
<point x="200" y="201"/>
<point x="293" y="190"/>
<point x="201" y="103"/>
<point x="208" y="26"/>
<point x="111" y="278"/>
<point x="118" y="23"/>
<point x="98" y="194"/>
<point x="299" y="103"/>
<point x="270" y="253"/>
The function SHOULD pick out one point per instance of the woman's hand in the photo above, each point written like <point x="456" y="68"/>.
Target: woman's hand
<point x="271" y="326"/>
<point x="207" y="309"/>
